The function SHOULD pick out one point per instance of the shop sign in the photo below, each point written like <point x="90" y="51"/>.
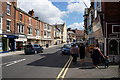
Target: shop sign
<point x="21" y="39"/>
<point x="38" y="37"/>
<point x="31" y="37"/>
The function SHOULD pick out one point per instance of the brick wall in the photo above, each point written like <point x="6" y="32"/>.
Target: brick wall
<point x="10" y="17"/>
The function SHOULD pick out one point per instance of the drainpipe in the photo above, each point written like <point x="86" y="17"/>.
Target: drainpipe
<point x="14" y="23"/>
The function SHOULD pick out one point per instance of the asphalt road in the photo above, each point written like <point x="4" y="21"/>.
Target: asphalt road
<point x="52" y="65"/>
<point x="43" y="65"/>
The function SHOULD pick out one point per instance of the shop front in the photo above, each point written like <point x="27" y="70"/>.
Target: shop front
<point x="20" y="42"/>
<point x="8" y="43"/>
<point x="46" y="41"/>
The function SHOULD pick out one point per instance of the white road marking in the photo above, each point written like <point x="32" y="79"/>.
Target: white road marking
<point x="12" y="62"/>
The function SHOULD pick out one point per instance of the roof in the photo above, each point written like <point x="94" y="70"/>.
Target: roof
<point x="29" y="15"/>
<point x="70" y="32"/>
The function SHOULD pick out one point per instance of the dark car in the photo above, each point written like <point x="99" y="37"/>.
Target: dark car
<point x="66" y="49"/>
<point x="33" y="49"/>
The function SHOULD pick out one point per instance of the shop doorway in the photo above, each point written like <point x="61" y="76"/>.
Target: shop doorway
<point x="113" y="47"/>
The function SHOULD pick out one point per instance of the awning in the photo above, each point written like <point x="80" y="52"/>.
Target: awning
<point x="8" y="36"/>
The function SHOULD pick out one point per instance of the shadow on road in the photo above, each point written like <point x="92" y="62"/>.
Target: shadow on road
<point x="51" y="60"/>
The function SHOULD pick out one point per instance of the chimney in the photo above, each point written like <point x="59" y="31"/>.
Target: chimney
<point x="31" y="12"/>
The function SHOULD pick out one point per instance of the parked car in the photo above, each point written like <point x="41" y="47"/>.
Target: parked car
<point x="33" y="49"/>
<point x="66" y="49"/>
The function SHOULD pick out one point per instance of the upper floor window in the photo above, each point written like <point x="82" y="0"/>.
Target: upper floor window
<point x="45" y="33"/>
<point x="8" y="23"/>
<point x="116" y="28"/>
<point x="45" y="26"/>
<point x="20" y="17"/>
<point x="37" y="24"/>
<point x="20" y="28"/>
<point x="29" y="30"/>
<point x="48" y="27"/>
<point x="8" y="9"/>
<point x="37" y="32"/>
<point x="30" y="21"/>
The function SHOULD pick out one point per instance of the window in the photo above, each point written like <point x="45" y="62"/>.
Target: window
<point x="37" y="24"/>
<point x="30" y="21"/>
<point x="116" y="28"/>
<point x="8" y="9"/>
<point x="30" y="30"/>
<point x="45" y="33"/>
<point x="20" y="17"/>
<point x="45" y="26"/>
<point x="48" y="27"/>
<point x="20" y="28"/>
<point x="8" y="23"/>
<point x="49" y="34"/>
<point x="37" y="32"/>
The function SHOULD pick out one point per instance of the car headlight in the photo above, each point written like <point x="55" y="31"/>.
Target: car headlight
<point x="63" y="49"/>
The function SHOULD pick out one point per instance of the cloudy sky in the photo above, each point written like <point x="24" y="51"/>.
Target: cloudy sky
<point x="57" y="11"/>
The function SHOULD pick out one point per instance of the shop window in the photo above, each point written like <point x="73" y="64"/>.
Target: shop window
<point x="116" y="28"/>
<point x="8" y="9"/>
<point x="8" y="23"/>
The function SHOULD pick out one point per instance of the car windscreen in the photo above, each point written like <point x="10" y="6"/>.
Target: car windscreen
<point x="28" y="46"/>
<point x="36" y="46"/>
<point x="67" y="46"/>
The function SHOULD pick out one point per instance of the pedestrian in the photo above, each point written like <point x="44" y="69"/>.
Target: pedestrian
<point x="47" y="45"/>
<point x="82" y="52"/>
<point x="96" y="56"/>
<point x="74" y="51"/>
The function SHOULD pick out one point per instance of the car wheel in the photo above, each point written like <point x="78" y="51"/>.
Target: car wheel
<point x="62" y="53"/>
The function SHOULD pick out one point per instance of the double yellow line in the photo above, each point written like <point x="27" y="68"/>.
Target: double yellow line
<point x="63" y="72"/>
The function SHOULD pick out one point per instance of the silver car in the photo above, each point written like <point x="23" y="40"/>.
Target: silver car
<point x="33" y="49"/>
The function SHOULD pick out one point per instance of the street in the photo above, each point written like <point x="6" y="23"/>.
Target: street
<point x="53" y="65"/>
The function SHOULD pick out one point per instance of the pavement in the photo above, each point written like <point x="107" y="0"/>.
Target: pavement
<point x="22" y="52"/>
<point x="88" y="72"/>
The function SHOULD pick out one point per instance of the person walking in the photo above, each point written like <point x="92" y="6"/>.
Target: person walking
<point x="74" y="51"/>
<point x="96" y="56"/>
<point x="82" y="52"/>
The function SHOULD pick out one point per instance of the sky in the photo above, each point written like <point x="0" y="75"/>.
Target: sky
<point x="57" y="11"/>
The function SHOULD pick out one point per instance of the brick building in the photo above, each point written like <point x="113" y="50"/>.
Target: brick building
<point x="18" y="28"/>
<point x="8" y="29"/>
<point x="102" y="26"/>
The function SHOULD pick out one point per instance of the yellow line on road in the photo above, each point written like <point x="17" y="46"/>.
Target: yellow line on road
<point x="64" y="69"/>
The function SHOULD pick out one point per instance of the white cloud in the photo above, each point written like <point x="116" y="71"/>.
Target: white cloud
<point x="77" y="25"/>
<point x="77" y="5"/>
<point x="44" y="9"/>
